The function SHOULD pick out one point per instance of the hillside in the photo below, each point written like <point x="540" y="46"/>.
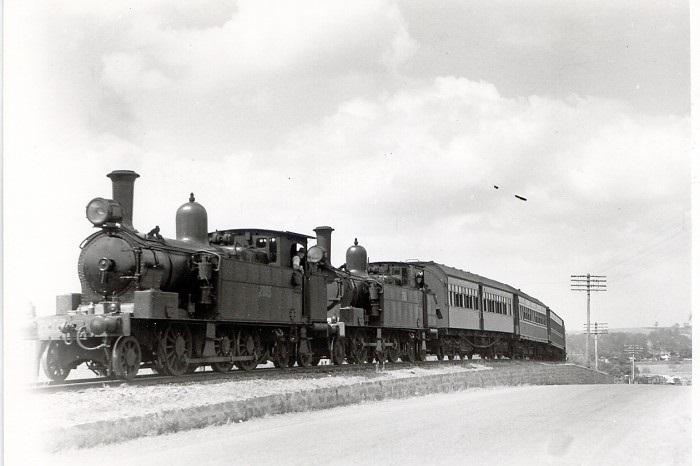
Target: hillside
<point x="655" y="344"/>
<point x="685" y="330"/>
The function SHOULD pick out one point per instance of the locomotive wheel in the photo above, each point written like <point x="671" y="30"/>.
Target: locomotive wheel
<point x="358" y="351"/>
<point x="338" y="351"/>
<point x="305" y="355"/>
<point x="177" y="346"/>
<point x="394" y="352"/>
<point x="126" y="358"/>
<point x="280" y="354"/>
<point x="247" y="344"/>
<point x="223" y="346"/>
<point x="50" y="362"/>
<point x="157" y="365"/>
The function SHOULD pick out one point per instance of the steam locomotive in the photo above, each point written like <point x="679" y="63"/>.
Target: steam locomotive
<point x="239" y="298"/>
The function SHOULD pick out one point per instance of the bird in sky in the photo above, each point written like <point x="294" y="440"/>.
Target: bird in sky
<point x="519" y="197"/>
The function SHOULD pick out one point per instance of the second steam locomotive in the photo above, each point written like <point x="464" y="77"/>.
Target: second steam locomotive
<point x="242" y="297"/>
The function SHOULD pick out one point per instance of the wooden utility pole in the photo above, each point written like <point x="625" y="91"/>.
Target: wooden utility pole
<point x="588" y="283"/>
<point x="633" y="350"/>
<point x="599" y="328"/>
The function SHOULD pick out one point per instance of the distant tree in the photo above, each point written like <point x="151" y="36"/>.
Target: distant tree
<point x="612" y="345"/>
<point x="671" y="341"/>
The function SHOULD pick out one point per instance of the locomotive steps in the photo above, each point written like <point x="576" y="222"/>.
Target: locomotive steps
<point x="130" y="412"/>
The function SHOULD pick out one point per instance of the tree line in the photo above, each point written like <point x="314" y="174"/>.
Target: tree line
<point x="656" y="345"/>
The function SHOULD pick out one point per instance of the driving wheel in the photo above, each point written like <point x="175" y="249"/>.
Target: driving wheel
<point x="126" y="358"/>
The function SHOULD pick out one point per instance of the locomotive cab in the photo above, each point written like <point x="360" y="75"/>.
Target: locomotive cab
<point x="263" y="246"/>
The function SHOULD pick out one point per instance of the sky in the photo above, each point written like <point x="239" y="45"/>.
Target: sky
<point x="391" y="121"/>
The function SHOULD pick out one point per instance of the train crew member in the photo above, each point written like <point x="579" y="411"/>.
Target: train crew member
<point x="298" y="260"/>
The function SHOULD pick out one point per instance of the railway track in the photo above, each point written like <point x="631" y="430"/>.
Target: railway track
<point x="209" y="376"/>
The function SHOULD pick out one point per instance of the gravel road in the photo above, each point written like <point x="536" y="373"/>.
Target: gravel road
<point x="558" y="425"/>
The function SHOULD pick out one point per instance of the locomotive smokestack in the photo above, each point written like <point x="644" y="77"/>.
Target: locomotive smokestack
<point x="323" y="239"/>
<point x="123" y="193"/>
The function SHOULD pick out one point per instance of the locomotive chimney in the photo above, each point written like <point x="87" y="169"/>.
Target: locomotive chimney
<point x="323" y="239"/>
<point x="123" y="193"/>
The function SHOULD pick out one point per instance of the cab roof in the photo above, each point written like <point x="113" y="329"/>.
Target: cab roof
<point x="265" y="232"/>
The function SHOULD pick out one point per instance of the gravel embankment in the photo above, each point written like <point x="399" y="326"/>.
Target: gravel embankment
<point x="111" y="403"/>
<point x="117" y="413"/>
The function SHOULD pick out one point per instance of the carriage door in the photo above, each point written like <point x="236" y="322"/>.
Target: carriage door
<point x="430" y="313"/>
<point x="482" y="305"/>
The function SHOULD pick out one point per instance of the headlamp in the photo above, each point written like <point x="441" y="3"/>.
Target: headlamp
<point x="315" y="254"/>
<point x="100" y="211"/>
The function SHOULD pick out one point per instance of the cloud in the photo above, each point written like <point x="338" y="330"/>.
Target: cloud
<point x="310" y="115"/>
<point x="455" y="138"/>
<point x="223" y="71"/>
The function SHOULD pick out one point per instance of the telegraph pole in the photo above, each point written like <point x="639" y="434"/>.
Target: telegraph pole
<point x="633" y="350"/>
<point x="599" y="328"/>
<point x="588" y="283"/>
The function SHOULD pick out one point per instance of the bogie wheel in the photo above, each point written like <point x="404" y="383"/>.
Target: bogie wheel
<point x="292" y="354"/>
<point x="177" y="347"/>
<point x="420" y="352"/>
<point x="281" y="353"/>
<point x="380" y="356"/>
<point x="394" y="352"/>
<point x="410" y="354"/>
<point x="248" y="345"/>
<point x="126" y="358"/>
<point x="51" y="362"/>
<point x="338" y="351"/>
<point x="305" y="354"/>
<point x="223" y="346"/>
<point x="440" y="353"/>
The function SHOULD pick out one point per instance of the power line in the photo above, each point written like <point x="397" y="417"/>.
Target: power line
<point x="644" y="265"/>
<point x="646" y="250"/>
